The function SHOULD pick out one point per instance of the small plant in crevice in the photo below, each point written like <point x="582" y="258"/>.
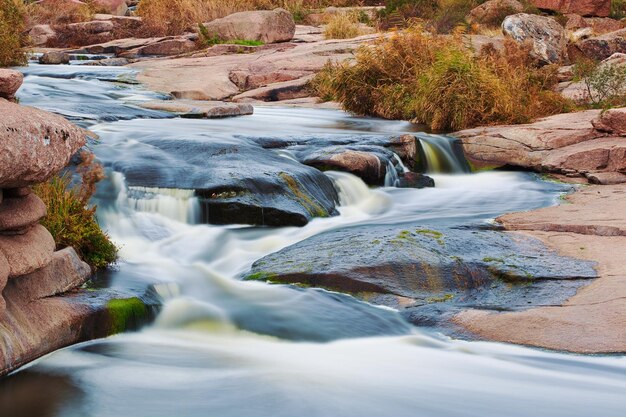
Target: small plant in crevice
<point x="604" y="83"/>
<point x="71" y="220"/>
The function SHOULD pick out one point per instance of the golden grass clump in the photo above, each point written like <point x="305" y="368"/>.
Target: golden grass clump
<point x="12" y="23"/>
<point x="440" y="81"/>
<point x="342" y="26"/>
<point x="59" y="12"/>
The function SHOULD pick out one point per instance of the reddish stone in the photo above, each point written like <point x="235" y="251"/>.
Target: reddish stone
<point x="10" y="82"/>
<point x="600" y="8"/>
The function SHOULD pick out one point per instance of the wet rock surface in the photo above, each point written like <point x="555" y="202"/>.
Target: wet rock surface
<point x="429" y="272"/>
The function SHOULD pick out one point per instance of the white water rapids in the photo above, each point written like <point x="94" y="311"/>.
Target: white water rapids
<point x="225" y="347"/>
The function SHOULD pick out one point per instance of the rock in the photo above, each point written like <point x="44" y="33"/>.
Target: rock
<point x="200" y="109"/>
<point x="40" y="34"/>
<point x="167" y="47"/>
<point x="257" y="79"/>
<point x="236" y="181"/>
<point x="364" y="165"/>
<point x="286" y="90"/>
<point x="598" y="25"/>
<point x="54" y="58"/>
<point x="600" y="8"/>
<point x="544" y="34"/>
<point x="17" y="214"/>
<point x="265" y="26"/>
<point x="415" y="180"/>
<point x="207" y="77"/>
<point x="34" y="145"/>
<point x="27" y="252"/>
<point x="64" y="272"/>
<point x="94" y="26"/>
<point x="598" y="155"/>
<point x="10" y="82"/>
<point x="17" y="192"/>
<point x="446" y="267"/>
<point x="580" y="34"/>
<point x="5" y="270"/>
<point x="600" y="47"/>
<point x="492" y="12"/>
<point x="528" y="145"/>
<point x="611" y="121"/>
<point x="118" y="46"/>
<point x="110" y="62"/>
<point x="606" y="178"/>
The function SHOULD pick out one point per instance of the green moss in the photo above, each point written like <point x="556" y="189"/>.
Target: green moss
<point x="442" y="299"/>
<point x="313" y="207"/>
<point x="438" y="236"/>
<point x="260" y="276"/>
<point x="489" y="259"/>
<point x="125" y="313"/>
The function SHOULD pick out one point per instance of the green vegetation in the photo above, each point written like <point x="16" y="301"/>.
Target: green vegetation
<point x="12" y="24"/>
<point x="442" y="299"/>
<point x="209" y="40"/>
<point x="438" y="236"/>
<point x="125" y="314"/>
<point x="260" y="276"/>
<point x="439" y="81"/>
<point x="618" y="9"/>
<point x="70" y="219"/>
<point x="605" y="83"/>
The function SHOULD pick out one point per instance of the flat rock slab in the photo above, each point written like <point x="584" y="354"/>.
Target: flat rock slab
<point x="591" y="211"/>
<point x="27" y="252"/>
<point x="208" y="78"/>
<point x="429" y="272"/>
<point x="200" y="109"/>
<point x="19" y="213"/>
<point x="591" y="225"/>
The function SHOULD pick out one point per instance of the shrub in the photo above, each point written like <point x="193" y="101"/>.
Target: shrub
<point x="439" y="81"/>
<point x="12" y="23"/>
<point x="70" y="219"/>
<point x="604" y="83"/>
<point x="342" y="26"/>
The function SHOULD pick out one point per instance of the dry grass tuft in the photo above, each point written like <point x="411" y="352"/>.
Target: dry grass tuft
<point x="342" y="26"/>
<point x="59" y="12"/>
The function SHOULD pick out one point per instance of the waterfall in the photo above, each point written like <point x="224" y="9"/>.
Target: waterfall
<point x="176" y="204"/>
<point x="355" y="194"/>
<point x="440" y="156"/>
<point x="391" y="175"/>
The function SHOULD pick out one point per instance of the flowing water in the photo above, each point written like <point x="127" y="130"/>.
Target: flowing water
<point x="226" y="347"/>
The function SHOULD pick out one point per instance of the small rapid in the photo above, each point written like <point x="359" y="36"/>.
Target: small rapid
<point x="228" y="347"/>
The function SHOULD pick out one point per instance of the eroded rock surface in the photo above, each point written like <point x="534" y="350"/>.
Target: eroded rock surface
<point x="544" y="34"/>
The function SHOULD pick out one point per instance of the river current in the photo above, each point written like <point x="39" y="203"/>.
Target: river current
<point x="225" y="347"/>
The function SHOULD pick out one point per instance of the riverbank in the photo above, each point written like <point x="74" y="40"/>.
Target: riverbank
<point x="589" y="224"/>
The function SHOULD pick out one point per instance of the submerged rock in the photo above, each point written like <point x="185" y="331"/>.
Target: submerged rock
<point x="418" y="268"/>
<point x="54" y="58"/>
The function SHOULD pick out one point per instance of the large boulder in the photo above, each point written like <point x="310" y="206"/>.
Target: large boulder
<point x="598" y="25"/>
<point x="54" y="58"/>
<point x="493" y="12"/>
<point x="264" y="25"/>
<point x="430" y="269"/>
<point x="545" y="35"/>
<point x="10" y="82"/>
<point x="600" y="8"/>
<point x="34" y="144"/>
<point x="600" y="47"/>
